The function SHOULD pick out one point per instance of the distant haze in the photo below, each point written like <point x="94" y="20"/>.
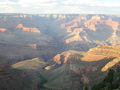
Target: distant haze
<point x="60" y="6"/>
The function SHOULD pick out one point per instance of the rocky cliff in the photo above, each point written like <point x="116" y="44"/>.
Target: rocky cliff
<point x="27" y="29"/>
<point x="95" y="30"/>
<point x="86" y="67"/>
<point x="59" y="41"/>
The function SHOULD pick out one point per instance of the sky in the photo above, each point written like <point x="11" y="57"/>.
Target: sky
<point x="60" y="6"/>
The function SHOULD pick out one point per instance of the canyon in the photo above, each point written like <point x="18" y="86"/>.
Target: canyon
<point x="57" y="51"/>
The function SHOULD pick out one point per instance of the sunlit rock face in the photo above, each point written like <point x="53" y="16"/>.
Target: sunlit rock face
<point x="2" y="29"/>
<point x="68" y="50"/>
<point x="113" y="24"/>
<point x="27" y="29"/>
<point x="97" y="29"/>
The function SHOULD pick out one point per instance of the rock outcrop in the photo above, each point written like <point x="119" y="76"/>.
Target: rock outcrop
<point x="97" y="17"/>
<point x="110" y="64"/>
<point x="2" y="29"/>
<point x="103" y="53"/>
<point x="98" y="29"/>
<point x="19" y="26"/>
<point x="114" y="39"/>
<point x="113" y="24"/>
<point x="27" y="29"/>
<point x="34" y="46"/>
<point x="31" y="30"/>
<point x="61" y="58"/>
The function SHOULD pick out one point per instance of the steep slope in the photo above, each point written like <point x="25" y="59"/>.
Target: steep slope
<point x="17" y="52"/>
<point x="81" y="68"/>
<point x="62" y="58"/>
<point x="52" y="34"/>
<point x="114" y="39"/>
<point x="95" y="30"/>
<point x="32" y="69"/>
<point x="26" y="29"/>
<point x="12" y="79"/>
<point x="30" y="33"/>
<point x="47" y="50"/>
<point x="35" y="63"/>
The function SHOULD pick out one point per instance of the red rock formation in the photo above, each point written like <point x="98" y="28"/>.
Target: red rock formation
<point x="26" y="29"/>
<point x="66" y="56"/>
<point x="57" y="59"/>
<point x="113" y="24"/>
<point x="59" y="19"/>
<point x="74" y="22"/>
<point x="91" y="24"/>
<point x="65" y="24"/>
<point x="19" y="26"/>
<point x="75" y="38"/>
<point x="85" y="80"/>
<point x="34" y="30"/>
<point x="78" y="30"/>
<point x="69" y="28"/>
<point x="2" y="29"/>
<point x="96" y="18"/>
<point x="31" y="29"/>
<point x="34" y="46"/>
<point x="5" y="64"/>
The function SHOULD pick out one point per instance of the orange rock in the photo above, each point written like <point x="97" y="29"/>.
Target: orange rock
<point x="91" y="24"/>
<point x="84" y="80"/>
<point x="57" y="59"/>
<point x="96" y="18"/>
<point x="69" y="28"/>
<point x="92" y="27"/>
<point x="34" y="30"/>
<point x="26" y="29"/>
<point x="2" y="29"/>
<point x="34" y="46"/>
<point x="92" y="57"/>
<point x="113" y="24"/>
<point x="110" y="64"/>
<point x="59" y="19"/>
<point x="31" y="29"/>
<point x="66" y="54"/>
<point x="19" y="26"/>
<point x="78" y="29"/>
<point x="75" y="38"/>
<point x="76" y="20"/>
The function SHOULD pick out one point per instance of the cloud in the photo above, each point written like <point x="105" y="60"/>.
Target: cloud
<point x="36" y="3"/>
<point x="88" y="3"/>
<point x="14" y="0"/>
<point x="6" y="6"/>
<point x="60" y="6"/>
<point x="7" y="9"/>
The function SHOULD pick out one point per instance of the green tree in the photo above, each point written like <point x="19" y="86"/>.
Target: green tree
<point x="86" y="87"/>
